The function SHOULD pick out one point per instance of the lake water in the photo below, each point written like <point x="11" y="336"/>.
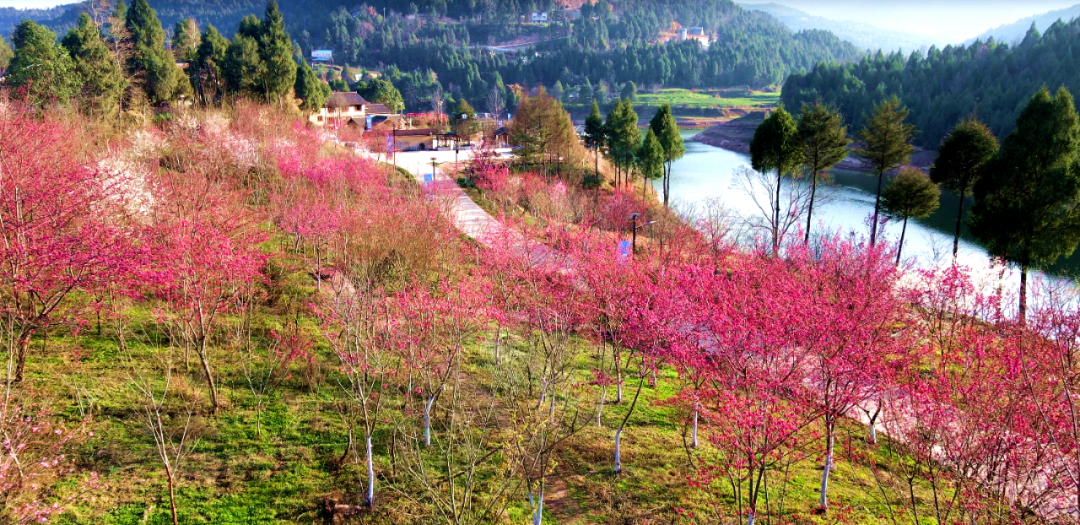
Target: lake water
<point x="707" y="172"/>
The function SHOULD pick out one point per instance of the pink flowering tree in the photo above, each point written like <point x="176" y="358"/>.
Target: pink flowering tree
<point x="206" y="243"/>
<point x="63" y="228"/>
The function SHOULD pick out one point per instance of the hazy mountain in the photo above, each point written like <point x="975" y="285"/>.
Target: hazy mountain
<point x="1014" y="32"/>
<point x="864" y="36"/>
<point x="10" y="16"/>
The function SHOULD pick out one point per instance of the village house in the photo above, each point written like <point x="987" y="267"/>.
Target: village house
<point x="346" y="108"/>
<point x="422" y="139"/>
<point x="538" y="18"/>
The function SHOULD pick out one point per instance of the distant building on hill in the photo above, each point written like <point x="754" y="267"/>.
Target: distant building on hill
<point x="696" y="34"/>
<point x="538" y="18"/>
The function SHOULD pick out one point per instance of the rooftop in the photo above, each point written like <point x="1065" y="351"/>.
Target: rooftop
<point x="342" y="99"/>
<point x="378" y="109"/>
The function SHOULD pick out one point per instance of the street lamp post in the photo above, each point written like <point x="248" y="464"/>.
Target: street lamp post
<point x="432" y="169"/>
<point x="634" y="228"/>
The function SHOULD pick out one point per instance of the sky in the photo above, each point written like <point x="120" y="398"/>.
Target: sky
<point x="946" y="21"/>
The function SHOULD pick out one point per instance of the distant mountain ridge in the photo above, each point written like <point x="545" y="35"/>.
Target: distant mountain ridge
<point x="1014" y="32"/>
<point x="863" y="36"/>
<point x="10" y="16"/>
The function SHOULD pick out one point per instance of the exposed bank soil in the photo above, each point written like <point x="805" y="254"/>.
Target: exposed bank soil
<point x="735" y="135"/>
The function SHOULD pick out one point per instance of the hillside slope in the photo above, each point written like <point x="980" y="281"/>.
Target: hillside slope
<point x="948" y="84"/>
<point x="864" y="36"/>
<point x="1013" y="33"/>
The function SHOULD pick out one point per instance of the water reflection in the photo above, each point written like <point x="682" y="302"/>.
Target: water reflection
<point x="708" y="172"/>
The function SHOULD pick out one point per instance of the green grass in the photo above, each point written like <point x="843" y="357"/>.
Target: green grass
<point x="235" y="476"/>
<point x="709" y="98"/>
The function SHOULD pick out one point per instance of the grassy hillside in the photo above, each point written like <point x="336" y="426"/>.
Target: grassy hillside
<point x="366" y="308"/>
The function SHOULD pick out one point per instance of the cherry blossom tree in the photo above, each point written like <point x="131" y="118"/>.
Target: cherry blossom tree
<point x="63" y="226"/>
<point x="207" y="244"/>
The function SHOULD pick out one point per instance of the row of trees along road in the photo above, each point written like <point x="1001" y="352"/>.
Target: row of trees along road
<point x="125" y="65"/>
<point x="1027" y="194"/>
<point x="627" y="150"/>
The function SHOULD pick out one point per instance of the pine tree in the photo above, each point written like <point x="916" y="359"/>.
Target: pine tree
<point x="186" y="39"/>
<point x="910" y="194"/>
<point x="94" y="64"/>
<point x="153" y="67"/>
<point x="825" y="143"/>
<point x="776" y="146"/>
<point x="622" y="138"/>
<point x="594" y="135"/>
<point x="243" y="68"/>
<point x="961" y="158"/>
<point x="650" y="160"/>
<point x="667" y="132"/>
<point x="542" y="128"/>
<point x="207" y="71"/>
<point x="558" y="91"/>
<point x="275" y="50"/>
<point x="1027" y="201"/>
<point x="40" y="67"/>
<point x="312" y="91"/>
<point x="886" y="144"/>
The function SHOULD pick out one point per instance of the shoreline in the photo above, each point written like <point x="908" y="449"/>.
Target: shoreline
<point x="735" y="135"/>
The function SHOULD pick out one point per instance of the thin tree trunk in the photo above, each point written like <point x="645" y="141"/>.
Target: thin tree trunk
<point x="370" y="474"/>
<point x="201" y="350"/>
<point x="824" y="505"/>
<point x="776" y="218"/>
<point x="538" y="516"/>
<point x="693" y="434"/>
<point x="810" y="209"/>
<point x="877" y="210"/>
<point x="959" y="221"/>
<point x="618" y="432"/>
<point x="900" y="246"/>
<point x="172" y="495"/>
<point x="427" y="421"/>
<point x="1023" y="293"/>
<point x="666" y="183"/>
<point x="24" y="349"/>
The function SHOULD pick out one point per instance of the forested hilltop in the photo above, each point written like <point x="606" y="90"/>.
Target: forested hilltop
<point x="423" y="42"/>
<point x="989" y="79"/>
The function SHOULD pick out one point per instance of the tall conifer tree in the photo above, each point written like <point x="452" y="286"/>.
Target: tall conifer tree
<point x="40" y="67"/>
<point x="776" y="147"/>
<point x="1027" y="203"/>
<point x="151" y="64"/>
<point x="961" y="159"/>
<point x="886" y="144"/>
<point x="594" y="135"/>
<point x="275" y="50"/>
<point x="100" y="75"/>
<point x="824" y="143"/>
<point x="666" y="128"/>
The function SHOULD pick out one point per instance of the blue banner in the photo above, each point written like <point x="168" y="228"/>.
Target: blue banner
<point x="625" y="250"/>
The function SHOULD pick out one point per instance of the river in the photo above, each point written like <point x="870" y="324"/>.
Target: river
<point x="708" y="173"/>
